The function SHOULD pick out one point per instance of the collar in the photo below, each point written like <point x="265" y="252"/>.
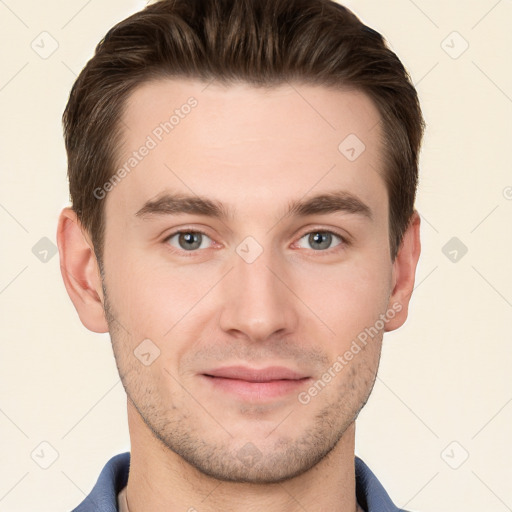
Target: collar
<point x="114" y="477"/>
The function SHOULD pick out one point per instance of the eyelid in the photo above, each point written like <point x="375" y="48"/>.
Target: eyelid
<point x="185" y="230"/>
<point x="321" y="229"/>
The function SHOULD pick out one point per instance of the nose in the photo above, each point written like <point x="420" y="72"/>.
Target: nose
<point x="257" y="302"/>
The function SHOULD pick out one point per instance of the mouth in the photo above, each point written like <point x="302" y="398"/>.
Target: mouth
<point x="255" y="384"/>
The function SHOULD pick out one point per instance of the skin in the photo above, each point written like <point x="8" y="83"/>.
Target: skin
<point x="296" y="305"/>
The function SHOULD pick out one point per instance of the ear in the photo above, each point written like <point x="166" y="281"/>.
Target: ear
<point x="404" y="270"/>
<point x="80" y="271"/>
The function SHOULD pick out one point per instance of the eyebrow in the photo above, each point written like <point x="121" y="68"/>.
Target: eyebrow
<point x="321" y="204"/>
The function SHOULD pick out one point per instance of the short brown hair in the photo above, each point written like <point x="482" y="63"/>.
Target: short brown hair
<point x="260" y="42"/>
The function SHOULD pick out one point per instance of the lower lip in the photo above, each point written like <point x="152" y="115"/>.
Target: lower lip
<point x="256" y="390"/>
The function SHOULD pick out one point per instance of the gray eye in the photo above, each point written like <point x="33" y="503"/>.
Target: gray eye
<point x="321" y="240"/>
<point x="188" y="240"/>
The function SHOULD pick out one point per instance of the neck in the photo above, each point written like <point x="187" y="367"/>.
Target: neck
<point x="159" y="479"/>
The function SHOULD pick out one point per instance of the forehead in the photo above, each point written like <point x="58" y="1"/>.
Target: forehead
<point x="238" y="141"/>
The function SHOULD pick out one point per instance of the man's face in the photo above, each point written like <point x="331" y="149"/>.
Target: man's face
<point x="258" y="288"/>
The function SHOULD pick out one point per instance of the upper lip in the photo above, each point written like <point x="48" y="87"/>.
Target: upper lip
<point x="254" y="375"/>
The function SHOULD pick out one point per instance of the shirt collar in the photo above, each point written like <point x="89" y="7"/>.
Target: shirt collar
<point x="114" y="477"/>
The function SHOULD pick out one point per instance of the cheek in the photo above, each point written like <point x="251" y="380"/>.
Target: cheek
<point x="154" y="296"/>
<point x="350" y="296"/>
<point x="133" y="295"/>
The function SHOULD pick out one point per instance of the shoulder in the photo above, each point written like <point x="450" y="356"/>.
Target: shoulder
<point x="371" y="495"/>
<point x="113" y="478"/>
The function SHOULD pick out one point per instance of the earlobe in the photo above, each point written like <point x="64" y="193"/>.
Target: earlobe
<point x="80" y="271"/>
<point x="404" y="271"/>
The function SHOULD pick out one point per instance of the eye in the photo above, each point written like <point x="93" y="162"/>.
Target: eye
<point x="319" y="240"/>
<point x="187" y="240"/>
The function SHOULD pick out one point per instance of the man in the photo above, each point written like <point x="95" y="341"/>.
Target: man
<point x="242" y="175"/>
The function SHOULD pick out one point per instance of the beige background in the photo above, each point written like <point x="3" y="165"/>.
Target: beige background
<point x="444" y="389"/>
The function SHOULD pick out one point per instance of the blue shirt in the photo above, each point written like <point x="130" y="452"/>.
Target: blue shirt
<point x="113" y="478"/>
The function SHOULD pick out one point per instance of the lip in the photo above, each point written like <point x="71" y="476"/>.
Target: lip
<point x="267" y="374"/>
<point x="255" y="384"/>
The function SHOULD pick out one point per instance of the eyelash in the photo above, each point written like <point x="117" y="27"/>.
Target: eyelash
<point x="345" y="242"/>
